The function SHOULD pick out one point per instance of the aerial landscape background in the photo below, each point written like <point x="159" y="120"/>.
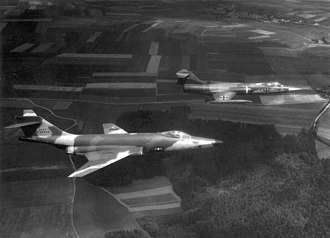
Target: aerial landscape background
<point x="80" y="64"/>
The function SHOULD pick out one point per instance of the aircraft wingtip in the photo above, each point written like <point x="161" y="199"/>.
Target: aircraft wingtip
<point x="73" y="175"/>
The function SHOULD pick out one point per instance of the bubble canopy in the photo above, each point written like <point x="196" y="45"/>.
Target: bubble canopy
<point x="273" y="84"/>
<point x="176" y="134"/>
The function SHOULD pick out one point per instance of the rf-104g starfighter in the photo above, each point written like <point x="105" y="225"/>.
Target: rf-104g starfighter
<point x="225" y="91"/>
<point x="104" y="149"/>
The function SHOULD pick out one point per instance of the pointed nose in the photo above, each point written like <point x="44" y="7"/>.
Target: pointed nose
<point x="205" y="142"/>
<point x="217" y="142"/>
<point x="295" y="89"/>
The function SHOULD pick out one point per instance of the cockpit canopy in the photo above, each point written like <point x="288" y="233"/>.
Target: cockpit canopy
<point x="274" y="84"/>
<point x="176" y="134"/>
<point x="271" y="84"/>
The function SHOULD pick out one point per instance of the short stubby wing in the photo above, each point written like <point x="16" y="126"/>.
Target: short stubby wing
<point x="223" y="96"/>
<point x="102" y="158"/>
<point x="110" y="128"/>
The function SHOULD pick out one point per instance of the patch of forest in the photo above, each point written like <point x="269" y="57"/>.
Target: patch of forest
<point x="256" y="184"/>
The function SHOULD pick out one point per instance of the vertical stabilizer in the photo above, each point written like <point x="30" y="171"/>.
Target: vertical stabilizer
<point x="184" y="75"/>
<point x="33" y="125"/>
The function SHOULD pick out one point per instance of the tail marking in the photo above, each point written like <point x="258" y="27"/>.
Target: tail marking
<point x="33" y="125"/>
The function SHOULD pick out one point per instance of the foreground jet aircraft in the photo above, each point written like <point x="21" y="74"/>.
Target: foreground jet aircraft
<point x="104" y="149"/>
<point x="225" y="91"/>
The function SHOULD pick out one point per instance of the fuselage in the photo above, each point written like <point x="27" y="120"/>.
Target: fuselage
<point x="148" y="141"/>
<point x="238" y="88"/>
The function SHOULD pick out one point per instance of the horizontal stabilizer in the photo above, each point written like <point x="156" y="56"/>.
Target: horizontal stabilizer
<point x="22" y="124"/>
<point x="22" y="121"/>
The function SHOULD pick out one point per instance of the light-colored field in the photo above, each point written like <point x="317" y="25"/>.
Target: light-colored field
<point x="119" y="86"/>
<point x="47" y="88"/>
<point x="149" y="197"/>
<point x="153" y="64"/>
<point x="323" y="127"/>
<point x="22" y="48"/>
<point x="291" y="99"/>
<point x="92" y="59"/>
<point x="96" y="56"/>
<point x="161" y="199"/>
<point x="323" y="150"/>
<point x="141" y="184"/>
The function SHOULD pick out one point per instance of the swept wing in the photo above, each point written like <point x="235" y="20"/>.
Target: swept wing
<point x="226" y="97"/>
<point x="102" y="158"/>
<point x="223" y="96"/>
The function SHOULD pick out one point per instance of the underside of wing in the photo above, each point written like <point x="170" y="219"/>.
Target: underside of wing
<point x="110" y="128"/>
<point x="223" y="96"/>
<point x="102" y="158"/>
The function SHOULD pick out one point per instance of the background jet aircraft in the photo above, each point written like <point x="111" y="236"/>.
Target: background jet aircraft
<point x="225" y="91"/>
<point x="104" y="149"/>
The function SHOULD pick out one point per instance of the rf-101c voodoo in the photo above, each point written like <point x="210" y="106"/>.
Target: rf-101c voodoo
<point x="104" y="149"/>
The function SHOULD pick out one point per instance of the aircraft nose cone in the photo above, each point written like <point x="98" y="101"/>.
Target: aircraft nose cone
<point x="205" y="142"/>
<point x="217" y="142"/>
<point x="294" y="89"/>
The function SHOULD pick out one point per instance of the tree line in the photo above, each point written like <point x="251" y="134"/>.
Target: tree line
<point x="266" y="185"/>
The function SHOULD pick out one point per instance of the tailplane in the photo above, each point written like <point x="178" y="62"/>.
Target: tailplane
<point x="184" y="75"/>
<point x="34" y="125"/>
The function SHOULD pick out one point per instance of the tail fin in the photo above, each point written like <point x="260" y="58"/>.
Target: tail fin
<point x="33" y="125"/>
<point x="184" y="75"/>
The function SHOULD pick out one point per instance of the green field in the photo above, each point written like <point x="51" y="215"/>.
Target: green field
<point x="37" y="221"/>
<point x="95" y="212"/>
<point x="35" y="193"/>
<point x="37" y="208"/>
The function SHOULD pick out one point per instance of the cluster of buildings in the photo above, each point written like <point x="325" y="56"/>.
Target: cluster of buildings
<point x="30" y="9"/>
